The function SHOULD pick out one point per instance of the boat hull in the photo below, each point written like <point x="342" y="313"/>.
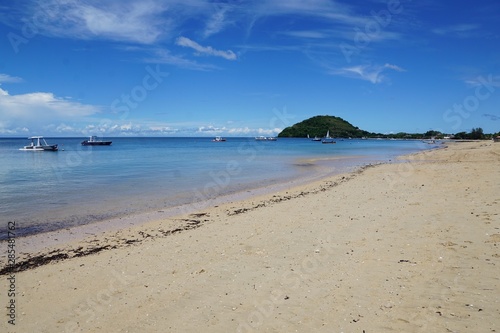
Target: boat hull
<point x="96" y="143"/>
<point x="50" y="148"/>
<point x="40" y="148"/>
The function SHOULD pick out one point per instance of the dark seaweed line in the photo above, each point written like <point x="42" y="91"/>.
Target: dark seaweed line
<point x="60" y="255"/>
<point x="277" y="199"/>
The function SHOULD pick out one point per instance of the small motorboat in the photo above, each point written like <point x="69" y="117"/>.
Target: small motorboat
<point x="38" y="143"/>
<point x="219" y="139"/>
<point x="93" y="141"/>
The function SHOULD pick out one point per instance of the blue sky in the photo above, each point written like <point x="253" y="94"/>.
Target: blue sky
<point x="245" y="68"/>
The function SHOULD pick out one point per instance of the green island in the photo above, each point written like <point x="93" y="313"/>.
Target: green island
<point x="318" y="126"/>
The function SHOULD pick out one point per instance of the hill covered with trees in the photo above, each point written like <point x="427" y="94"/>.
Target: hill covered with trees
<point x="319" y="125"/>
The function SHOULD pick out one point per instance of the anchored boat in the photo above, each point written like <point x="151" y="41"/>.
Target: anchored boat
<point x="92" y="141"/>
<point x="328" y="138"/>
<point x="38" y="143"/>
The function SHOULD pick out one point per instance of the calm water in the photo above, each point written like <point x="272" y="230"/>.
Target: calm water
<point x="44" y="191"/>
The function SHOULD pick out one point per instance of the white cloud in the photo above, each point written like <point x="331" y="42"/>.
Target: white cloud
<point x="372" y="73"/>
<point x="63" y="128"/>
<point x="163" y="129"/>
<point x="42" y="105"/>
<point x="460" y="30"/>
<point x="211" y="129"/>
<point x="217" y="22"/>
<point x="394" y="67"/>
<point x="326" y="9"/>
<point x="207" y="50"/>
<point x="486" y="80"/>
<point x="310" y="34"/>
<point x="9" y="79"/>
<point x="246" y="131"/>
<point x="5" y="129"/>
<point x="165" y="57"/>
<point x="36" y="110"/>
<point x="156" y="23"/>
<point x="134" y="21"/>
<point x="110" y="127"/>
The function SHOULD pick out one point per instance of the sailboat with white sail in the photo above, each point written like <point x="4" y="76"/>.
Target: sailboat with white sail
<point x="328" y="138"/>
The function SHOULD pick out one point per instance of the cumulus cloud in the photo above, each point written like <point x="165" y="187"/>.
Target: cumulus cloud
<point x="41" y="105"/>
<point x="211" y="129"/>
<point x="247" y="131"/>
<point x="205" y="50"/>
<point x="35" y="110"/>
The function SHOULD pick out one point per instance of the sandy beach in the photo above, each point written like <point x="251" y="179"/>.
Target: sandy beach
<point x="411" y="246"/>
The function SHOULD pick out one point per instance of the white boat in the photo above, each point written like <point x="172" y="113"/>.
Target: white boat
<point x="218" y="139"/>
<point x="327" y="138"/>
<point x="316" y="139"/>
<point x="272" y="138"/>
<point x="38" y="143"/>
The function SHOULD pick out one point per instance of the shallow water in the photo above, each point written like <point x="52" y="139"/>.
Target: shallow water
<point x="45" y="191"/>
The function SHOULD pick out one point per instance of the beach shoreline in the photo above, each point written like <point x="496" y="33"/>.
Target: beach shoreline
<point x="54" y="241"/>
<point x="104" y="184"/>
<point x="408" y="246"/>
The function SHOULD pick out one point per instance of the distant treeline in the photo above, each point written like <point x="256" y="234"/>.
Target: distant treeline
<point x="474" y="134"/>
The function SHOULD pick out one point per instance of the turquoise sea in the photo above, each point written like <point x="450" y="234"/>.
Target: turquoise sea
<point x="45" y="191"/>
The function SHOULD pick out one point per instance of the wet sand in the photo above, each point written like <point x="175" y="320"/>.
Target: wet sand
<point x="403" y="247"/>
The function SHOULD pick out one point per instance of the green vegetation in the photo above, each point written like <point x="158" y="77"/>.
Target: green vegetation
<point x="475" y="134"/>
<point x="340" y="128"/>
<point x="319" y="125"/>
